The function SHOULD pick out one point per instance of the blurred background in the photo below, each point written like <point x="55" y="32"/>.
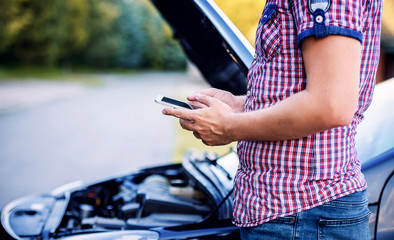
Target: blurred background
<point x="77" y="84"/>
<point x="98" y="34"/>
<point x="78" y="79"/>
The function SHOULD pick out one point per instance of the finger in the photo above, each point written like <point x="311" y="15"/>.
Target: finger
<point x="186" y="124"/>
<point x="197" y="135"/>
<point x="191" y="98"/>
<point x="179" y="113"/>
<point x="206" y="100"/>
<point x="207" y="143"/>
<point x="209" y="91"/>
<point x="196" y="104"/>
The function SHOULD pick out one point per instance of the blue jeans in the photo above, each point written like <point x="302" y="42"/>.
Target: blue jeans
<point x="343" y="218"/>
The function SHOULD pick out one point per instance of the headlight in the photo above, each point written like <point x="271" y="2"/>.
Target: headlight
<point x="26" y="216"/>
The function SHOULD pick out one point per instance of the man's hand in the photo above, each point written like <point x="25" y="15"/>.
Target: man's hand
<point x="209" y="122"/>
<point x="235" y="102"/>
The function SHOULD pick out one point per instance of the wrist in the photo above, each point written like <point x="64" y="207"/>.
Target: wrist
<point x="239" y="103"/>
<point x="233" y="127"/>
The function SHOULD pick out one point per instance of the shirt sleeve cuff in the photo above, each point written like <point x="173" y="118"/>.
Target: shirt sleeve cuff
<point x="331" y="30"/>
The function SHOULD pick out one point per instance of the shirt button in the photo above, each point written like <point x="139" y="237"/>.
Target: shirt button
<point x="255" y="55"/>
<point x="248" y="93"/>
<point x="319" y="18"/>
<point x="239" y="166"/>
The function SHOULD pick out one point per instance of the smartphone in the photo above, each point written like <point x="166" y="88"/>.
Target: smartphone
<point x="169" y="102"/>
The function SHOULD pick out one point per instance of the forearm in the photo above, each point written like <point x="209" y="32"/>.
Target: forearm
<point x="298" y="116"/>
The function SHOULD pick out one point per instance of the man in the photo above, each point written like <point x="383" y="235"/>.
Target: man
<point x="310" y="82"/>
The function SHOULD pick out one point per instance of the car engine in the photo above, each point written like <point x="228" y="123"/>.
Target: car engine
<point x="163" y="196"/>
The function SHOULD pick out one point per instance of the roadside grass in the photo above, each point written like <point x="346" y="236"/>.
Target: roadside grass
<point x="185" y="141"/>
<point x="86" y="76"/>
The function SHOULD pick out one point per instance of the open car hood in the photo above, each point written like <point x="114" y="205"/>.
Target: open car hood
<point x="152" y="203"/>
<point x="211" y="41"/>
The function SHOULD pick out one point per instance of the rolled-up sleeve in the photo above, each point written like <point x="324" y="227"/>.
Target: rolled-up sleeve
<point x="328" y="17"/>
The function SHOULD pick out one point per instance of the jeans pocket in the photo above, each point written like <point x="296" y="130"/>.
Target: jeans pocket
<point x="351" y="201"/>
<point x="350" y="228"/>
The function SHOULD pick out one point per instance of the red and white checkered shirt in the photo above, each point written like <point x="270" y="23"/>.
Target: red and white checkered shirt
<point x="280" y="178"/>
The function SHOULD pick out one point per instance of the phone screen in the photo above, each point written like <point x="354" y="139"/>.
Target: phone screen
<point x="176" y="102"/>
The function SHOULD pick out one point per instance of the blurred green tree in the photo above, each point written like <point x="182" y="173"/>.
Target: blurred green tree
<point x="41" y="31"/>
<point x="97" y="33"/>
<point x="12" y="20"/>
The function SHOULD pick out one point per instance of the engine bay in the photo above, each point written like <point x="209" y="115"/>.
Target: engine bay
<point x="162" y="196"/>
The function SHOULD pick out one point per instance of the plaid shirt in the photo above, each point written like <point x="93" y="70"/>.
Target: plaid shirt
<point x="280" y="178"/>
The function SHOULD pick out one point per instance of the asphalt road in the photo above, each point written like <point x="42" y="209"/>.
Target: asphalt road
<point x="55" y="133"/>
